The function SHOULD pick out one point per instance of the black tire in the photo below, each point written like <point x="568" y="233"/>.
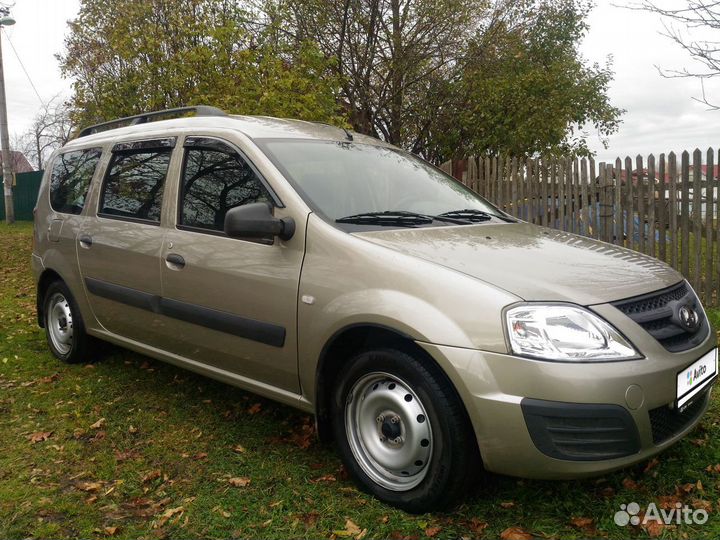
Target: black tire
<point x="81" y="346"/>
<point x="453" y="465"/>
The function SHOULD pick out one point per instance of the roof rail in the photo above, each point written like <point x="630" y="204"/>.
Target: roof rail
<point x="199" y="110"/>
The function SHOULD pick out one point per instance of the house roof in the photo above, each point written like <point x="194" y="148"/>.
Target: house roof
<point x="19" y="163"/>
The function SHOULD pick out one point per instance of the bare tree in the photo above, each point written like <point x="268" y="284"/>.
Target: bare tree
<point x="695" y="26"/>
<point x="51" y="128"/>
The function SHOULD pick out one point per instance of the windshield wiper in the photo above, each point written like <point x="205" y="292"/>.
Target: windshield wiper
<point x="400" y="218"/>
<point x="475" y="216"/>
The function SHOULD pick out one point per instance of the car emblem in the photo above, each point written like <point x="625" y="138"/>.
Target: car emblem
<point x="689" y="318"/>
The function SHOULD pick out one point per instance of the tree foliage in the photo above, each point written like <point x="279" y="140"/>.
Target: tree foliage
<point x="130" y="56"/>
<point x="439" y="77"/>
<point x="524" y="88"/>
<point x="447" y="77"/>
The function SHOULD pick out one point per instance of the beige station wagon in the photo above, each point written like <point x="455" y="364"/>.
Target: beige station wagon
<point x="431" y="334"/>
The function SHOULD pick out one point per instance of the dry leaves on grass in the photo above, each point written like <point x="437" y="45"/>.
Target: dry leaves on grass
<point x="239" y="482"/>
<point x="432" y="531"/>
<point x="110" y="531"/>
<point x="90" y="487"/>
<point x="652" y="527"/>
<point x="256" y="408"/>
<point x="150" y="476"/>
<point x="169" y="514"/>
<point x="351" y="530"/>
<point x="584" y="524"/>
<point x="124" y="456"/>
<point x="97" y="425"/>
<point x="630" y="484"/>
<point x="515" y="533"/>
<point x="477" y="526"/>
<point x="324" y="478"/>
<point x="40" y="436"/>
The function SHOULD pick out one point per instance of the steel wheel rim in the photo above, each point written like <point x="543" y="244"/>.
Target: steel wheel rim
<point x="388" y="431"/>
<point x="60" y="323"/>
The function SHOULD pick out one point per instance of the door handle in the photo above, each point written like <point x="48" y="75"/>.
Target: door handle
<point x="85" y="240"/>
<point x="175" y="260"/>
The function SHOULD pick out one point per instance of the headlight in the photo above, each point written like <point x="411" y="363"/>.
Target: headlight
<point x="564" y="333"/>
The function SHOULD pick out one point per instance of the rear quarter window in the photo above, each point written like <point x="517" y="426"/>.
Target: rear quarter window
<point x="70" y="179"/>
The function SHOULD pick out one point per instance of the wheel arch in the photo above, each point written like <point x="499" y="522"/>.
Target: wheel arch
<point x="47" y="277"/>
<point x="350" y="340"/>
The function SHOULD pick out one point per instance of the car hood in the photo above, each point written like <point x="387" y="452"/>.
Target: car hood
<point x="534" y="263"/>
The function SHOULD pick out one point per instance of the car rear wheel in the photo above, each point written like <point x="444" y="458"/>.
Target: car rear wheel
<point x="64" y="327"/>
<point x="402" y="431"/>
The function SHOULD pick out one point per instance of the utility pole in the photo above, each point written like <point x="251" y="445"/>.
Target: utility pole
<point x="5" y="20"/>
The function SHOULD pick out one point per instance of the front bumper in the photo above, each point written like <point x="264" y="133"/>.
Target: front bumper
<point x="501" y="392"/>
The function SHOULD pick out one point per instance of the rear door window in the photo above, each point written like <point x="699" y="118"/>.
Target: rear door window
<point x="134" y="184"/>
<point x="70" y="179"/>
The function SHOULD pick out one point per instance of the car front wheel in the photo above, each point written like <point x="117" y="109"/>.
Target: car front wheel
<point x="402" y="431"/>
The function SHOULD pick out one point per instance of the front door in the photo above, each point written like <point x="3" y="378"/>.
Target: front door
<point x="230" y="303"/>
<point x="119" y="249"/>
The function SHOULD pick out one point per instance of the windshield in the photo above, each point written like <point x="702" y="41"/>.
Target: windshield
<point x="340" y="179"/>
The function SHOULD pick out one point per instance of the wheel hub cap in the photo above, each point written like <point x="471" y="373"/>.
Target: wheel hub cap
<point x="388" y="431"/>
<point x="60" y="323"/>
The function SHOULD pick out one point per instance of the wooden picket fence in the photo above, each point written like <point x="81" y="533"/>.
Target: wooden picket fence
<point x="666" y="207"/>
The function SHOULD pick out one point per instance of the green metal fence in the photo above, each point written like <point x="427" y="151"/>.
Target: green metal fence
<point x="25" y="195"/>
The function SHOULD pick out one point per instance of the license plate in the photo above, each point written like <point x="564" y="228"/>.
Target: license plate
<point x="694" y="378"/>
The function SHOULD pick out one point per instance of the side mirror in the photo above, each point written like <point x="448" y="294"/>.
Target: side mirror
<point x="255" y="220"/>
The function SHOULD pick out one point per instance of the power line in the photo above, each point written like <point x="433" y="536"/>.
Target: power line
<point x="25" y="70"/>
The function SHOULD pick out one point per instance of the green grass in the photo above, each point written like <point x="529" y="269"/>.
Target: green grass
<point x="160" y="418"/>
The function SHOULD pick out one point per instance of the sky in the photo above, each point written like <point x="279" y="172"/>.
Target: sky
<point x="660" y="113"/>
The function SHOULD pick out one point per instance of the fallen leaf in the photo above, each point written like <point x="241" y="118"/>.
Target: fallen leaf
<point x="653" y="528"/>
<point x="630" y="484"/>
<point x="167" y="514"/>
<point x="582" y="522"/>
<point x="240" y="449"/>
<point x="351" y="528"/>
<point x="239" y="482"/>
<point x="152" y="475"/>
<point x="432" y="531"/>
<point x="132" y="429"/>
<point x="324" y="478"/>
<point x="654" y="462"/>
<point x="668" y="502"/>
<point x="701" y="504"/>
<point x="97" y="425"/>
<point x="124" y="456"/>
<point x="110" y="531"/>
<point x="200" y="456"/>
<point x="515" y="533"/>
<point x="713" y="468"/>
<point x="40" y="436"/>
<point x="384" y="519"/>
<point x="687" y="488"/>
<point x="310" y="519"/>
<point x="698" y="442"/>
<point x="507" y="504"/>
<point x="256" y="408"/>
<point x="477" y="526"/>
<point x="89" y="486"/>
